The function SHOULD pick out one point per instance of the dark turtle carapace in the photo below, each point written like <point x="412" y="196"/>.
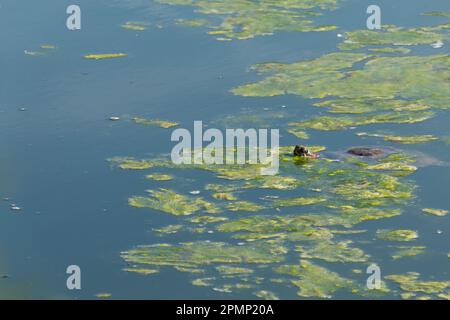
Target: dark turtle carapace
<point x="365" y="152"/>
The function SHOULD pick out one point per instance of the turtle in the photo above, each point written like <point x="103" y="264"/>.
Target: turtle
<point x="300" y="151"/>
<point x="365" y="152"/>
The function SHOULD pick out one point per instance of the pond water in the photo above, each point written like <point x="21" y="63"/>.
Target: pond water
<point x="57" y="138"/>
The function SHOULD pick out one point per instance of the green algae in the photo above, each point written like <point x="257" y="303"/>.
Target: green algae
<point x="207" y="219"/>
<point x="411" y="284"/>
<point x="103" y="295"/>
<point x="266" y="295"/>
<point x="141" y="271"/>
<point x="275" y="182"/>
<point x="230" y="270"/>
<point x="314" y="281"/>
<point x="360" y="106"/>
<point x="194" y="23"/>
<point x="224" y="196"/>
<point x="372" y="89"/>
<point x="159" y="177"/>
<point x="104" y="56"/>
<point x="129" y="163"/>
<point x="437" y="14"/>
<point x="416" y="139"/>
<point x="436" y="212"/>
<point x="391" y="50"/>
<point x="243" y="19"/>
<point x="170" y="229"/>
<point x="155" y="122"/>
<point x="326" y="123"/>
<point x="396" y="235"/>
<point x="300" y="201"/>
<point x="299" y="134"/>
<point x="404" y="251"/>
<point x="333" y="252"/>
<point x="390" y="35"/>
<point x="195" y="254"/>
<point x="135" y="25"/>
<point x="203" y="282"/>
<point x="244" y="206"/>
<point x="171" y="202"/>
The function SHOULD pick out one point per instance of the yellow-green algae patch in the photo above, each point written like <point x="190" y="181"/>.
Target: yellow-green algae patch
<point x="314" y="281"/>
<point x="105" y="56"/>
<point x="103" y="295"/>
<point x="411" y="284"/>
<point x="159" y="177"/>
<point x="155" y="122"/>
<point x="171" y="202"/>
<point x="207" y="219"/>
<point x="231" y="270"/>
<point x="195" y="23"/>
<point x="390" y="35"/>
<point x="327" y="123"/>
<point x="405" y="251"/>
<point x="132" y="163"/>
<point x="244" y="206"/>
<point x="353" y="194"/>
<point x="266" y="295"/>
<point x="436" y="212"/>
<point x="170" y="229"/>
<point x="332" y="252"/>
<point x="141" y="271"/>
<point x="396" y="235"/>
<point x="402" y="139"/>
<point x="245" y="19"/>
<point x="391" y="50"/>
<point x="300" y="201"/>
<point x="224" y="196"/>
<point x="135" y="25"/>
<point x="377" y="89"/>
<point x="194" y="254"/>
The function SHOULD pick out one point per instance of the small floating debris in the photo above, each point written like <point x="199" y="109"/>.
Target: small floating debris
<point x="339" y="35"/>
<point x="22" y="109"/>
<point x="439" y="231"/>
<point x="194" y="192"/>
<point x="437" y="45"/>
<point x="15" y="208"/>
<point x="114" y="118"/>
<point x="436" y="212"/>
<point x="105" y="56"/>
<point x="33" y="53"/>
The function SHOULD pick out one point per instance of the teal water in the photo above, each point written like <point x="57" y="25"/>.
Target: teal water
<point x="53" y="155"/>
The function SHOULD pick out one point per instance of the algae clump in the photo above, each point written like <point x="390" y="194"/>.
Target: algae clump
<point x="396" y="235"/>
<point x="171" y="202"/>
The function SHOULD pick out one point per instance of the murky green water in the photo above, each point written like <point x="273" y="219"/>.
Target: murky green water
<point x="80" y="178"/>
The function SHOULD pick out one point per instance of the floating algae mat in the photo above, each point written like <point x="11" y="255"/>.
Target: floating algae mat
<point x="155" y="122"/>
<point x="385" y="89"/>
<point x="245" y="19"/>
<point x="402" y="139"/>
<point x="104" y="56"/>
<point x="302" y="228"/>
<point x="261" y="239"/>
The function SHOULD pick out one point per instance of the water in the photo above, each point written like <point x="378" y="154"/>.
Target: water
<point x="53" y="159"/>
